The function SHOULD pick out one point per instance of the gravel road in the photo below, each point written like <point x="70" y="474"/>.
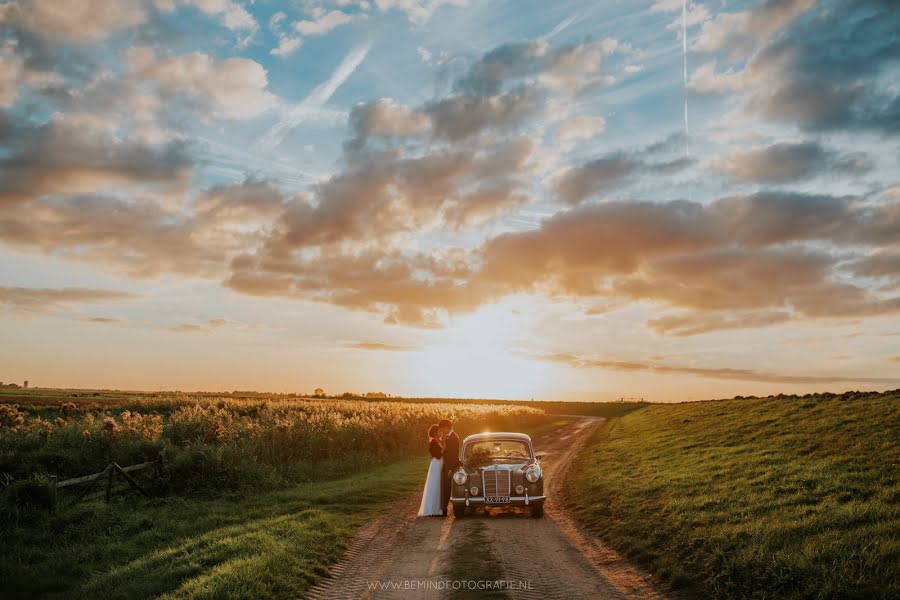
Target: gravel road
<point x="546" y="558"/>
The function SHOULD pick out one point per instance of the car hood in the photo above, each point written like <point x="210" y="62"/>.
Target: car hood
<point x="505" y="467"/>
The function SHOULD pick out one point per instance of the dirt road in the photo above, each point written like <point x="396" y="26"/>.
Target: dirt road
<point x="402" y="556"/>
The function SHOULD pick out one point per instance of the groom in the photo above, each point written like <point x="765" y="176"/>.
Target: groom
<point x="451" y="460"/>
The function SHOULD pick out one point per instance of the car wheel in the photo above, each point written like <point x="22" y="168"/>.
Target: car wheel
<point x="459" y="511"/>
<point x="537" y="510"/>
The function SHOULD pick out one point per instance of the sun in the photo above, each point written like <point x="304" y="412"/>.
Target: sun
<point x="485" y="355"/>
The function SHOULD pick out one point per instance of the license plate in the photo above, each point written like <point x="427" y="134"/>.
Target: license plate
<point x="497" y="500"/>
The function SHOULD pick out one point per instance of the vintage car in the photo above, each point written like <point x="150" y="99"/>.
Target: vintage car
<point x="498" y="469"/>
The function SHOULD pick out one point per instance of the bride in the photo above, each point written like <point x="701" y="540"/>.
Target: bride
<point x="431" y="496"/>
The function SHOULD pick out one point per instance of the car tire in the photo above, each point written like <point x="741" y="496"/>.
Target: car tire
<point x="459" y="511"/>
<point x="537" y="510"/>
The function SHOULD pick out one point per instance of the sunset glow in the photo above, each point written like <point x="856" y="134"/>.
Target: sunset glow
<point x="572" y="200"/>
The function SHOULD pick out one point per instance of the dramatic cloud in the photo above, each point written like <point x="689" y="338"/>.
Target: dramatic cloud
<point x="606" y="173"/>
<point x="140" y="236"/>
<point x="787" y="161"/>
<point x="77" y="154"/>
<point x="711" y="373"/>
<point x="384" y="117"/>
<point x="74" y="21"/>
<point x="431" y="211"/>
<point x="795" y="75"/>
<point x="723" y="262"/>
<point x="738" y="34"/>
<point x="25" y="299"/>
<point x="695" y="324"/>
<point x="234" y="88"/>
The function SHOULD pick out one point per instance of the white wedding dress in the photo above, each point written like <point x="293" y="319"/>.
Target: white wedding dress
<point x="431" y="496"/>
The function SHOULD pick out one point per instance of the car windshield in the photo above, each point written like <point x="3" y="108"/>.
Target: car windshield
<point x="498" y="450"/>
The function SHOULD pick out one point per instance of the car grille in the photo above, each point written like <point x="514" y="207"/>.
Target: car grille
<point x="496" y="483"/>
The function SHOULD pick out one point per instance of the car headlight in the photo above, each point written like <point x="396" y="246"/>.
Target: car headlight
<point x="533" y="473"/>
<point x="474" y="490"/>
<point x="460" y="477"/>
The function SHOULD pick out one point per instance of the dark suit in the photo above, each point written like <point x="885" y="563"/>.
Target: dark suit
<point x="451" y="464"/>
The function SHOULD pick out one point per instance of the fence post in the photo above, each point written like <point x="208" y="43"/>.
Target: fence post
<point x="53" y="482"/>
<point x="109" y="482"/>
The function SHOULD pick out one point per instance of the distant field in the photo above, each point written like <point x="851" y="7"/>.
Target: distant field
<point x="780" y="497"/>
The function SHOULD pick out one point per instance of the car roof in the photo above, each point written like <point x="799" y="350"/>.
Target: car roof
<point x="497" y="435"/>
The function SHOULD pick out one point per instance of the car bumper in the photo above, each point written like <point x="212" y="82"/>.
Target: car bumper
<point x="513" y="500"/>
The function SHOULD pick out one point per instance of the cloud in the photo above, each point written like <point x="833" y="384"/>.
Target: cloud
<point x="710" y="373"/>
<point x="726" y="262"/>
<point x="287" y="44"/>
<point x="384" y="117"/>
<point x="188" y="328"/>
<point x="483" y="205"/>
<point x="569" y="68"/>
<point x="78" y="21"/>
<point x="231" y="14"/>
<point x="139" y="236"/>
<point x="795" y="76"/>
<point x="576" y="129"/>
<point x="683" y="325"/>
<point x="323" y="24"/>
<point x="789" y="161"/>
<point x="233" y="88"/>
<point x="205" y="328"/>
<point x="418" y="11"/>
<point x="381" y="346"/>
<point x="100" y="320"/>
<point x="43" y="300"/>
<point x="78" y="154"/>
<point x="459" y="117"/>
<point x="738" y="34"/>
<point x="609" y="172"/>
<point x="880" y="264"/>
<point x="10" y="74"/>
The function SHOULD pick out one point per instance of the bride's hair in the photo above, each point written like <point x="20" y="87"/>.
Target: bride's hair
<point x="432" y="432"/>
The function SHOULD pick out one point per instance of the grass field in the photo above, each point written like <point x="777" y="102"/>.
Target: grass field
<point x="239" y="545"/>
<point x="780" y="497"/>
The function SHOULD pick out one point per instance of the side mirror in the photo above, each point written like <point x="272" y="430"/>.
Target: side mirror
<point x="539" y="457"/>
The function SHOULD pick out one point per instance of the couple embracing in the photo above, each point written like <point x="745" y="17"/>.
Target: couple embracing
<point x="443" y="444"/>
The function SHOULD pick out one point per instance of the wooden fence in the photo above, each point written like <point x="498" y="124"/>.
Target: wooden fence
<point x="108" y="476"/>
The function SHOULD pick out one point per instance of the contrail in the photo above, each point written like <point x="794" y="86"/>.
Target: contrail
<point x="562" y="26"/>
<point x="315" y="101"/>
<point x="684" y="3"/>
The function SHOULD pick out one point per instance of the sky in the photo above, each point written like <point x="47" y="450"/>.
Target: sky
<point x="571" y="200"/>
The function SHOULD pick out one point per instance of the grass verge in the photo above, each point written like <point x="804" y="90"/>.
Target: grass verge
<point x="269" y="545"/>
<point x="755" y="498"/>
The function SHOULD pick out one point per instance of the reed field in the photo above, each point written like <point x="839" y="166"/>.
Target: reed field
<point x="220" y="442"/>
